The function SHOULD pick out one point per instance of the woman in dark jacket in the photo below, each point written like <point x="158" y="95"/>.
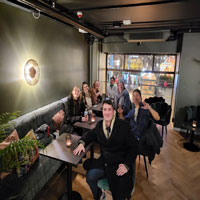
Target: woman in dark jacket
<point x="74" y="111"/>
<point x="122" y="98"/>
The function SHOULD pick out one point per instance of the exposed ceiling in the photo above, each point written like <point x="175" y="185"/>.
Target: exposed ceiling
<point x="105" y="17"/>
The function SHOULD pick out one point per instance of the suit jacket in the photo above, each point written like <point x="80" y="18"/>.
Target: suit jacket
<point x="121" y="147"/>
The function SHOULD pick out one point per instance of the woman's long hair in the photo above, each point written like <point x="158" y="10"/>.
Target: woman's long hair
<point x="83" y="93"/>
<point x="93" y="85"/>
<point x="79" y="98"/>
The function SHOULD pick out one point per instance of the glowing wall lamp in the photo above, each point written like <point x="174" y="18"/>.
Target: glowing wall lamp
<point x="31" y="72"/>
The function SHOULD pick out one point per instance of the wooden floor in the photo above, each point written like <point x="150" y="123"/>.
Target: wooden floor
<point x="173" y="175"/>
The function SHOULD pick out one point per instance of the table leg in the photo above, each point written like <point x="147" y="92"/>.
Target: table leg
<point x="69" y="181"/>
<point x="92" y="152"/>
<point x="192" y="138"/>
<point x="70" y="195"/>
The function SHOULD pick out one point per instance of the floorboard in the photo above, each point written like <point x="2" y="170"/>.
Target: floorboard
<point x="173" y="175"/>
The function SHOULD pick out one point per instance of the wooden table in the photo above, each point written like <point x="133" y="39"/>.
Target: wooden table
<point x="88" y="125"/>
<point x="97" y="107"/>
<point x="59" y="151"/>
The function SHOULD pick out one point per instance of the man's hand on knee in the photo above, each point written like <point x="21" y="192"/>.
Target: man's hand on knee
<point x="121" y="170"/>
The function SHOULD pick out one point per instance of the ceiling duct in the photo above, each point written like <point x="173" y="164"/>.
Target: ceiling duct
<point x="147" y="36"/>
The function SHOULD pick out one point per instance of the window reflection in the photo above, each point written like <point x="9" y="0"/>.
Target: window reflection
<point x="139" y="62"/>
<point x="115" y="61"/>
<point x="164" y="63"/>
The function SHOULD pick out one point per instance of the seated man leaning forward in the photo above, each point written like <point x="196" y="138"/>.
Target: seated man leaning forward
<point x="139" y="115"/>
<point x="118" y="153"/>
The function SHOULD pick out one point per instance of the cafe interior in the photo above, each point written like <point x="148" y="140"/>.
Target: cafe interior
<point x="49" y="46"/>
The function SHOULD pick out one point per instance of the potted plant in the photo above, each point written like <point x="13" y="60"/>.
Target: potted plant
<point x="19" y="152"/>
<point x="6" y="122"/>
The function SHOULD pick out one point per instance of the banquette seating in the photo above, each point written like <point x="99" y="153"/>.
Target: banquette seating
<point x="27" y="186"/>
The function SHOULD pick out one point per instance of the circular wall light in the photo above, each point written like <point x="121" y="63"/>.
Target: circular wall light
<point x="31" y="72"/>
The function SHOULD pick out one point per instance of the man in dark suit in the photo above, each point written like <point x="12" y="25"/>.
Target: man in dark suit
<point x="118" y="153"/>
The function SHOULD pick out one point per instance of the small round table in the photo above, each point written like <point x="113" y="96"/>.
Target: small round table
<point x="189" y="145"/>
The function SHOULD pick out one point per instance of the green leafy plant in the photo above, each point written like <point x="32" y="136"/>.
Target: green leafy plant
<point x="19" y="152"/>
<point x="6" y="122"/>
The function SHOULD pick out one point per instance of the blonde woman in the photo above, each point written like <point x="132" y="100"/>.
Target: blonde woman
<point x="95" y="94"/>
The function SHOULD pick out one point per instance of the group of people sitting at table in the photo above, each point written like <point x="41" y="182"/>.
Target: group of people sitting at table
<point x="118" y="134"/>
<point x="79" y="101"/>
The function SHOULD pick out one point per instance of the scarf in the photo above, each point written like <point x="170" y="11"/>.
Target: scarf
<point x="120" y="98"/>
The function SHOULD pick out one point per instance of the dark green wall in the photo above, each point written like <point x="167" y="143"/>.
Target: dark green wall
<point x="60" y="50"/>
<point x="188" y="90"/>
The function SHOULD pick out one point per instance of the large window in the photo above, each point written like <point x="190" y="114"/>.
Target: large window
<point x="138" y="62"/>
<point x="152" y="74"/>
<point x="115" y="61"/>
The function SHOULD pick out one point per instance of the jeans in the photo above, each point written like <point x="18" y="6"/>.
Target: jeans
<point x="92" y="177"/>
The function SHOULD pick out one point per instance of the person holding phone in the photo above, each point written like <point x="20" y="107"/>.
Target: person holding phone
<point x="139" y="115"/>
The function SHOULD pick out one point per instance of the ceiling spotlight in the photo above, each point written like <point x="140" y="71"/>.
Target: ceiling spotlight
<point x="82" y="31"/>
<point x="126" y="22"/>
<point x="53" y="4"/>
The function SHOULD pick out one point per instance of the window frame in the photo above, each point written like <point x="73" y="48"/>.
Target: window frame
<point x="146" y="71"/>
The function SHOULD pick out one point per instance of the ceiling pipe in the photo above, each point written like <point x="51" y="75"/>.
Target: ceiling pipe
<point x="129" y="5"/>
<point x="51" y="12"/>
